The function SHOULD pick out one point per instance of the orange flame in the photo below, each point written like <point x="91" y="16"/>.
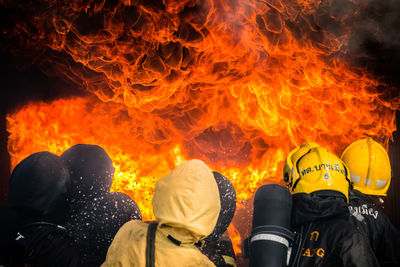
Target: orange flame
<point x="234" y="83"/>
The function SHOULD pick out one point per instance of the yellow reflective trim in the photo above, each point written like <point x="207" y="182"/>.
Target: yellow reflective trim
<point x="229" y="260"/>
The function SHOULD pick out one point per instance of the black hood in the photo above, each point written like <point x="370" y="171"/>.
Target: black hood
<point x="318" y="205"/>
<point x="91" y="170"/>
<point x="39" y="185"/>
<point x="227" y="195"/>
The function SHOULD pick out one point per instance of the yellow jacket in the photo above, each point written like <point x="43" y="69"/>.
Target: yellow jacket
<point x="186" y="205"/>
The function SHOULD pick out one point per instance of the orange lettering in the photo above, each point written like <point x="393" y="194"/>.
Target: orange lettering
<point x="315" y="235"/>
<point x="320" y="253"/>
<point x="307" y="253"/>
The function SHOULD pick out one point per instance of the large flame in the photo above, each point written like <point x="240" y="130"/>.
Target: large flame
<point x="235" y="83"/>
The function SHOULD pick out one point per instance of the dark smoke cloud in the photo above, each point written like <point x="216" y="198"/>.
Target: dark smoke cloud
<point x="374" y="34"/>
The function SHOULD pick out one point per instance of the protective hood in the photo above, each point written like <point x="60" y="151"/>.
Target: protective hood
<point x="227" y="196"/>
<point x="40" y="183"/>
<point x="91" y="170"/>
<point x="186" y="202"/>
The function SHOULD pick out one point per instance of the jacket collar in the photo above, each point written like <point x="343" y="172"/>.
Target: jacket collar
<point x="318" y="205"/>
<point x="357" y="195"/>
<point x="178" y="236"/>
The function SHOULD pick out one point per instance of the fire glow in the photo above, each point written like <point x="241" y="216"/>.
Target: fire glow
<point x="237" y="84"/>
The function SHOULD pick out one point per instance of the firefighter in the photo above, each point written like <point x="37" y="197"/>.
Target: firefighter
<point x="186" y="206"/>
<point x="370" y="172"/>
<point x="325" y="236"/>
<point x="32" y="231"/>
<point x="96" y="213"/>
<point x="218" y="245"/>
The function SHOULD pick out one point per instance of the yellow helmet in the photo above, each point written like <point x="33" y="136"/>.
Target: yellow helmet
<point x="319" y="169"/>
<point x="293" y="156"/>
<point x="369" y="166"/>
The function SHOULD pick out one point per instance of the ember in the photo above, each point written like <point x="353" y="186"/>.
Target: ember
<point x="234" y="83"/>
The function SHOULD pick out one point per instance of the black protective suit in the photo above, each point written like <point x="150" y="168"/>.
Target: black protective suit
<point x="384" y="238"/>
<point x="218" y="246"/>
<point x="37" y="203"/>
<point x="96" y="213"/>
<point x="325" y="235"/>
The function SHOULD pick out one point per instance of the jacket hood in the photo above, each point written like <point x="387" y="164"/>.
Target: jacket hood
<point x="227" y="197"/>
<point x="39" y="184"/>
<point x="318" y="205"/>
<point x="91" y="170"/>
<point x="186" y="202"/>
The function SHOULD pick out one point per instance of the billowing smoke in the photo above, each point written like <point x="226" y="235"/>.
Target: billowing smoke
<point x="371" y="34"/>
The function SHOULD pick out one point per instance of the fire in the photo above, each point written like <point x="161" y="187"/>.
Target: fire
<point x="235" y="237"/>
<point x="139" y="155"/>
<point x="237" y="84"/>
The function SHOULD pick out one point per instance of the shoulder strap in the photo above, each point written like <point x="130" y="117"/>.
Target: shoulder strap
<point x="150" y="248"/>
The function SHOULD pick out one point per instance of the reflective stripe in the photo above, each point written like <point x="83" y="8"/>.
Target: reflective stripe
<point x="368" y="181"/>
<point x="229" y="260"/>
<point x="19" y="236"/>
<point x="271" y="237"/>
<point x="355" y="178"/>
<point x="381" y="182"/>
<point x="289" y="253"/>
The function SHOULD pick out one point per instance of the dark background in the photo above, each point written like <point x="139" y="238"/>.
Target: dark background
<point x="18" y="87"/>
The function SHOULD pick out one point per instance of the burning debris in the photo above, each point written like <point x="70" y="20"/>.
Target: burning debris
<point x="234" y="83"/>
